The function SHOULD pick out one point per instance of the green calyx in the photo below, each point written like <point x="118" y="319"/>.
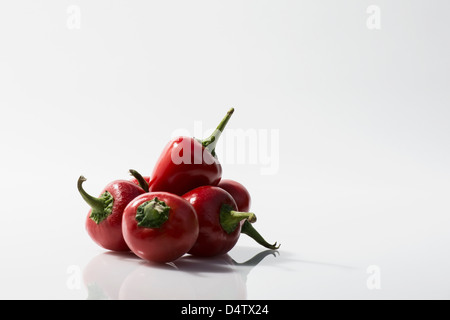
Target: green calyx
<point x="230" y="219"/>
<point x="103" y="213"/>
<point x="152" y="214"/>
<point x="101" y="206"/>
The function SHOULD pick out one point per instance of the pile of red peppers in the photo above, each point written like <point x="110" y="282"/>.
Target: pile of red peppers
<point x="183" y="207"/>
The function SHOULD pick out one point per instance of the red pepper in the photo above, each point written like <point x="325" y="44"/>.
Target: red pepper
<point x="160" y="226"/>
<point x="242" y="197"/>
<point x="187" y="163"/>
<point x="239" y="193"/>
<point x="104" y="220"/>
<point x="220" y="222"/>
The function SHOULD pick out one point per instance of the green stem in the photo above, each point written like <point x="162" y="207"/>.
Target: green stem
<point x="238" y="215"/>
<point x="152" y="214"/>
<point x="249" y="230"/>
<point x="94" y="203"/>
<point x="142" y="183"/>
<point x="229" y="219"/>
<point x="101" y="206"/>
<point x="210" y="142"/>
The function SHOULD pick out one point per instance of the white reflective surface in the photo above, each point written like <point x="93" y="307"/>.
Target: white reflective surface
<point x="187" y="278"/>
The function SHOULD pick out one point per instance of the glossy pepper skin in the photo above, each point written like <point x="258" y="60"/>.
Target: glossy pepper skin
<point x="104" y="219"/>
<point x="219" y="221"/>
<point x="200" y="168"/>
<point x="239" y="193"/>
<point x="139" y="180"/>
<point x="160" y="226"/>
<point x="187" y="163"/>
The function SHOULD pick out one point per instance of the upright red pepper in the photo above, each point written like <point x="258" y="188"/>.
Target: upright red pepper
<point x="187" y="163"/>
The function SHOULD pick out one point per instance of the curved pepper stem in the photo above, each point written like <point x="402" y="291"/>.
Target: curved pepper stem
<point x="210" y="142"/>
<point x="140" y="179"/>
<point x="101" y="206"/>
<point x="249" y="230"/>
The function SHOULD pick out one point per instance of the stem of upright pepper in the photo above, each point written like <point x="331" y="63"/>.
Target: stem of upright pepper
<point x="210" y="142"/>
<point x="101" y="206"/>
<point x="249" y="230"/>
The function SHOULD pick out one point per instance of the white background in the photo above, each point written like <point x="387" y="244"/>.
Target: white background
<point x="363" y="122"/>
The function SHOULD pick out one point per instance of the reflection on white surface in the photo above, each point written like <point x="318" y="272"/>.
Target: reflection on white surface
<point x="124" y="276"/>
